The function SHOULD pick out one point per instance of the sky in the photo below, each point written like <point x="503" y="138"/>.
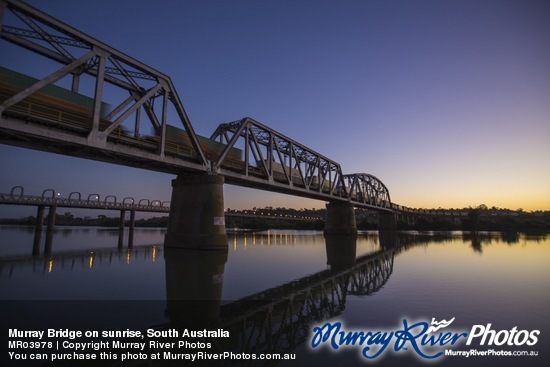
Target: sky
<point x="446" y="102"/>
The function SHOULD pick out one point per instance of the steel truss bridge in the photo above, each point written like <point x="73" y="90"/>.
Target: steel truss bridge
<point x="142" y="99"/>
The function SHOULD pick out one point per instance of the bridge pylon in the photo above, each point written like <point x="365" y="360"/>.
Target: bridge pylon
<point x="197" y="213"/>
<point x="340" y="219"/>
<point x="387" y="221"/>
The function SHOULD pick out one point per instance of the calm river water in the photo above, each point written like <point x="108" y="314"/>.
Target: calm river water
<point x="288" y="282"/>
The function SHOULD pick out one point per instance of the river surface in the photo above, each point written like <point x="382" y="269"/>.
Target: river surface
<point x="376" y="282"/>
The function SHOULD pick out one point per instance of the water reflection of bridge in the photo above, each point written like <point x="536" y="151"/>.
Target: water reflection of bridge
<point x="279" y="319"/>
<point x="70" y="260"/>
<point x="275" y="320"/>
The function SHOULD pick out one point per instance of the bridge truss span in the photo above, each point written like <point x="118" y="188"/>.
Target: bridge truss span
<point x="367" y="189"/>
<point x="289" y="166"/>
<point x="103" y="105"/>
<point x="270" y="156"/>
<point x="138" y="94"/>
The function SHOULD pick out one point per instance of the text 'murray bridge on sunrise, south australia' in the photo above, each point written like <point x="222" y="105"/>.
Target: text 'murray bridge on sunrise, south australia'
<point x="122" y="111"/>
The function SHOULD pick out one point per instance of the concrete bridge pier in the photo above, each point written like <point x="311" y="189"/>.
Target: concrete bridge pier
<point x="38" y="230"/>
<point x="196" y="213"/>
<point x="132" y="227"/>
<point x="121" y="228"/>
<point x="387" y="221"/>
<point x="49" y="230"/>
<point x="387" y="239"/>
<point x="340" y="219"/>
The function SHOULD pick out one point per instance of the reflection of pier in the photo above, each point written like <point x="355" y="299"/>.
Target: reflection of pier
<point x="278" y="319"/>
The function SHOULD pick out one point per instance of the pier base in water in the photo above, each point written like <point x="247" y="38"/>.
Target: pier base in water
<point x="340" y="219"/>
<point x="387" y="221"/>
<point x="197" y="218"/>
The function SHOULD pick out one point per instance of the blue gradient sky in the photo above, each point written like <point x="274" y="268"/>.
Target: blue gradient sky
<point x="447" y="102"/>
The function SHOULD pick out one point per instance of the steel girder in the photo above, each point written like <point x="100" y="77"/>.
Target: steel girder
<point x="81" y="54"/>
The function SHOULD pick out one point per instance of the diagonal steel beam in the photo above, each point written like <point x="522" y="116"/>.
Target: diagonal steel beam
<point x="52" y="78"/>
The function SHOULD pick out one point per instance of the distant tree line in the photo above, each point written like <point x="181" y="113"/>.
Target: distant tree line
<point x="482" y="218"/>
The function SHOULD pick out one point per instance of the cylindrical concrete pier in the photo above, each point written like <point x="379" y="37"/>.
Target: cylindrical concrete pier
<point x="38" y="230"/>
<point x="197" y="218"/>
<point x="340" y="219"/>
<point x="132" y="227"/>
<point x="387" y="221"/>
<point x="121" y="228"/>
<point x="49" y="230"/>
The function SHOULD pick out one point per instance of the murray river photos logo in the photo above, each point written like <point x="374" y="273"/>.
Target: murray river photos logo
<point x="427" y="340"/>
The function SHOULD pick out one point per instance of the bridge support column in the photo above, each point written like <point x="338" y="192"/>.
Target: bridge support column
<point x="340" y="219"/>
<point x="132" y="227"/>
<point x="121" y="228"/>
<point x="196" y="213"/>
<point x="387" y="221"/>
<point x="387" y="239"/>
<point x="40" y="217"/>
<point x="49" y="230"/>
<point x="38" y="230"/>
